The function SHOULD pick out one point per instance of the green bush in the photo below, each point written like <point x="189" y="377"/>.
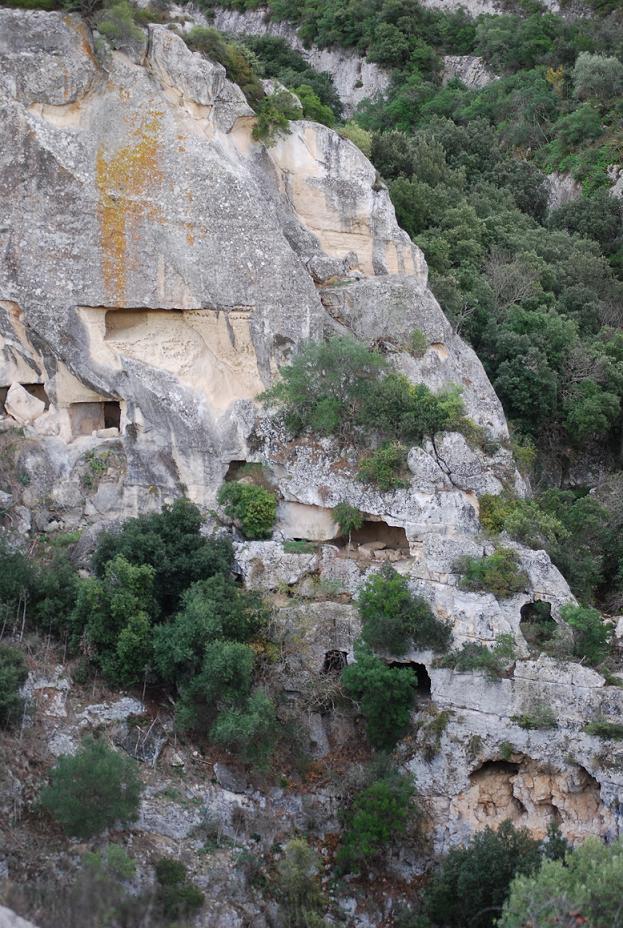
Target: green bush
<point x="473" y="882"/>
<point x="56" y="588"/>
<point x="17" y="583"/>
<point x="249" y="731"/>
<point x="171" y="542"/>
<point x="585" y="887"/>
<point x="92" y="789"/>
<point x="298" y="884"/>
<point x="394" y="620"/>
<point x="117" y="24"/>
<point x="498" y="573"/>
<point x="384" y="696"/>
<point x="273" y="117"/>
<point x="253" y="508"/>
<point x="225" y="677"/>
<point x="597" y="77"/>
<point x="478" y="658"/>
<point x="538" y="716"/>
<point x="348" y="518"/>
<point x="591" y="634"/>
<point x="378" y="816"/>
<point x="212" y="610"/>
<point x="602" y="729"/>
<point x="385" y="468"/>
<point x="13" y="674"/>
<point x="112" y="617"/>
<point x="523" y="520"/>
<point x="176" y="896"/>
<point x="235" y="58"/>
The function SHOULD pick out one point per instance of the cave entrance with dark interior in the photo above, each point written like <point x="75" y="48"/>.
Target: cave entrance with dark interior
<point x="536" y="624"/>
<point x="381" y="534"/>
<point x="35" y="389"/>
<point x="334" y="661"/>
<point x="422" y="680"/>
<point x="234" y="470"/>
<point x="90" y="417"/>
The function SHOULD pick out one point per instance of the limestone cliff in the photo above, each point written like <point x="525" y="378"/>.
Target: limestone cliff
<point x="157" y="265"/>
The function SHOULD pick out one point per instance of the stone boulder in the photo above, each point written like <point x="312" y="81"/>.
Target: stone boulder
<point x="22" y="405"/>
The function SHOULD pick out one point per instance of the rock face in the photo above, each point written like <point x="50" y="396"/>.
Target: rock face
<point x="469" y="69"/>
<point x="480" y="7"/>
<point x="561" y="189"/>
<point x="157" y="266"/>
<point x="355" y="78"/>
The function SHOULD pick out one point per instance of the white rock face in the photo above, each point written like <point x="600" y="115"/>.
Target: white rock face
<point x="562" y="189"/>
<point x="470" y="70"/>
<point x="355" y="78"/>
<point x="22" y="406"/>
<point x="480" y="7"/>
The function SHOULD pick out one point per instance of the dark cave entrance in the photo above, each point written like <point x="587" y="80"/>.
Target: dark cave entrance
<point x="334" y="661"/>
<point x="536" y="624"/>
<point x="86" y="418"/>
<point x="422" y="681"/>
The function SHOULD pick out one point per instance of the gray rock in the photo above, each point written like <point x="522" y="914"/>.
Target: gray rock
<point x="470" y="70"/>
<point x="232" y="780"/>
<point x="562" y="189"/>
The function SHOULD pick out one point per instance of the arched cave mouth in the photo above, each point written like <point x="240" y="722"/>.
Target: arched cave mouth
<point x="536" y="624"/>
<point x="334" y="661"/>
<point x="423" y="681"/>
<point x="377" y="536"/>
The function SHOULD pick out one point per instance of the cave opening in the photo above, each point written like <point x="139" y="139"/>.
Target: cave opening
<point x="334" y="661"/>
<point x="536" y="623"/>
<point x="86" y="418"/>
<point x="423" y="681"/>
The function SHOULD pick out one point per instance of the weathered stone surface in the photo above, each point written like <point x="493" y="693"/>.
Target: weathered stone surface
<point x="232" y="780"/>
<point x="470" y="70"/>
<point x="8" y="919"/>
<point x="561" y="189"/>
<point x="355" y="78"/>
<point x="22" y="406"/>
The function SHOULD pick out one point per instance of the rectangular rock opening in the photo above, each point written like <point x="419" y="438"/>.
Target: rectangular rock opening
<point x="86" y="418"/>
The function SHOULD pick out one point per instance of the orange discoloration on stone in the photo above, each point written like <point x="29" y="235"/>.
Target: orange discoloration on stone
<point x="122" y="182"/>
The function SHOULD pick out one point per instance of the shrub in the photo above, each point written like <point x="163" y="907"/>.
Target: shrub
<point x="378" y="816"/>
<point x="418" y="343"/>
<point x="17" y="583"/>
<point x="597" y="77"/>
<point x="92" y="789"/>
<point x="176" y="895"/>
<point x="385" y="468"/>
<point x="394" y="619"/>
<point x="537" y="717"/>
<point x="225" y="676"/>
<point x="235" y="58"/>
<point x="384" y="696"/>
<point x="591" y="634"/>
<point x="117" y="24"/>
<point x="13" y="674"/>
<point x="171" y="542"/>
<point x="298" y="883"/>
<point x="523" y="520"/>
<point x="602" y="729"/>
<point x="112" y="619"/>
<point x="498" y="573"/>
<point x="252" y="507"/>
<point x="273" y="117"/>
<point x="249" y="731"/>
<point x="348" y="518"/>
<point x="358" y="136"/>
<point x="474" y="657"/>
<point x="214" y="609"/>
<point x="585" y="887"/>
<point x="473" y="882"/>
<point x="56" y="587"/>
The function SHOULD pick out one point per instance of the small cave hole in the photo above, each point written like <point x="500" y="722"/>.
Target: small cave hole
<point x="536" y="624"/>
<point x="86" y="418"/>
<point x="234" y="470"/>
<point x="334" y="661"/>
<point x="495" y="768"/>
<point x="377" y="539"/>
<point x="422" y="676"/>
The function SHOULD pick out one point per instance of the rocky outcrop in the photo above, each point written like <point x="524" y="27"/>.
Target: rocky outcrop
<point x="561" y="189"/>
<point x="469" y="69"/>
<point x="480" y="7"/>
<point x="355" y="77"/>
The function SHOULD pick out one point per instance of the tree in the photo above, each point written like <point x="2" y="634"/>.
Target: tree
<point x="313" y="107"/>
<point x="13" y="674"/>
<point x="473" y="882"/>
<point x="378" y="816"/>
<point x="383" y="694"/>
<point x="348" y="518"/>
<point x="298" y="883"/>
<point x="394" y="619"/>
<point x="249" y="731"/>
<point x="171" y="543"/>
<point x="112" y="618"/>
<point x="225" y="677"/>
<point x="583" y="889"/>
<point x="597" y="77"/>
<point x="116" y="23"/>
<point x="273" y="117"/>
<point x="92" y="789"/>
<point x="591" y="634"/>
<point x="253" y="507"/>
<point x="176" y="896"/>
